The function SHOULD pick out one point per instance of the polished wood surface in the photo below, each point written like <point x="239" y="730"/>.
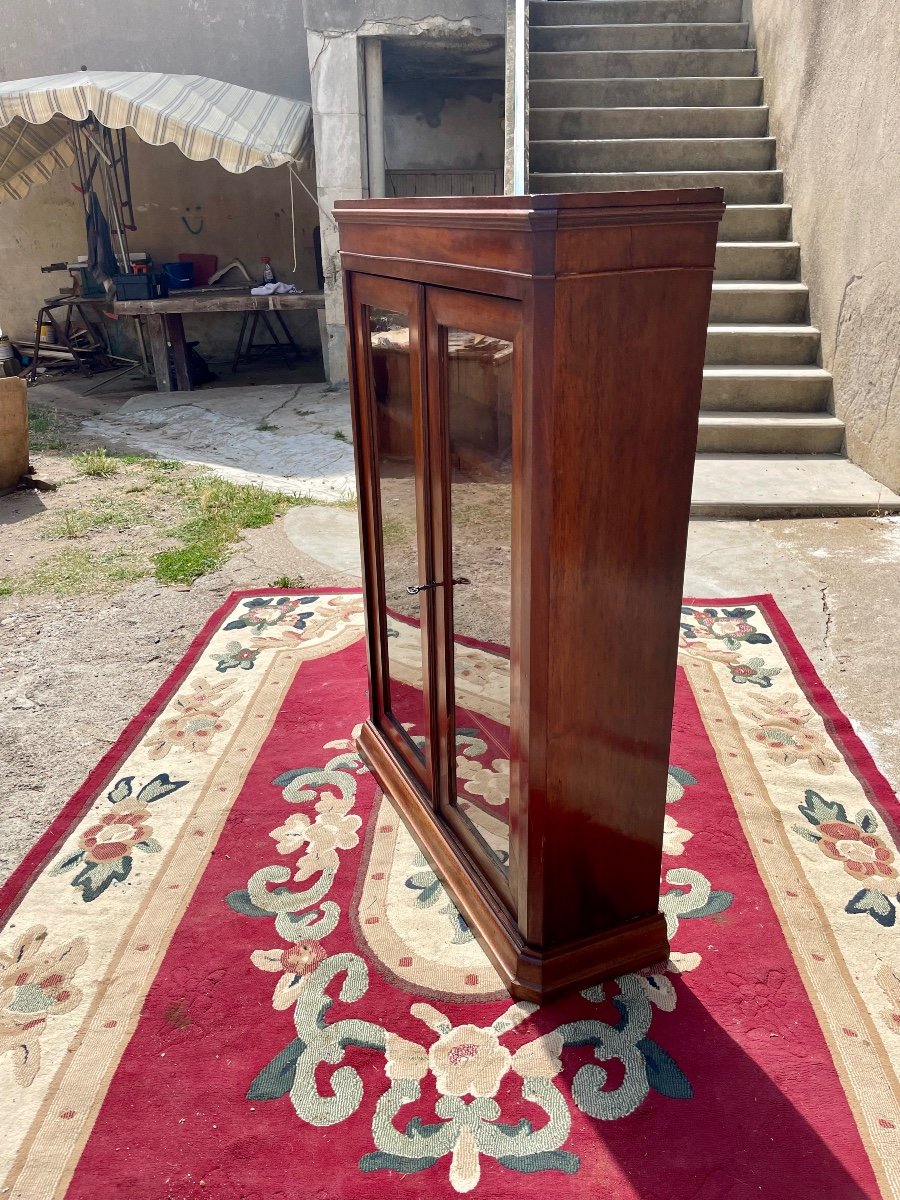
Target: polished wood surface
<point x="605" y="298"/>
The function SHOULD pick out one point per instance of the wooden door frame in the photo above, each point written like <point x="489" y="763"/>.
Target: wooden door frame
<point x="505" y="319"/>
<point x="406" y="299"/>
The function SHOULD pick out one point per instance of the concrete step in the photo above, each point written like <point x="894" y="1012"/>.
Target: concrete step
<point x="770" y="389"/>
<point x="757" y="260"/>
<point x="756" y="223"/>
<point x="762" y="485"/>
<point x="665" y="36"/>
<point x="762" y="345"/>
<point x="760" y="302"/>
<point x="741" y="187"/>
<point x="653" y="154"/>
<point x="592" y="12"/>
<point x="769" y="433"/>
<point x="706" y="92"/>
<point x="642" y="64"/>
<point x="551" y="124"/>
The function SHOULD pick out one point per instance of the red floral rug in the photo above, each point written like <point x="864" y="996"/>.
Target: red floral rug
<point x="226" y="972"/>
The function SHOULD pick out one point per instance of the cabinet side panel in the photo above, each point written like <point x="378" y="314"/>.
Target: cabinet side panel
<point x="628" y="372"/>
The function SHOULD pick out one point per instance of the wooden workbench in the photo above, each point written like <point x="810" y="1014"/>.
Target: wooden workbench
<point x="164" y="322"/>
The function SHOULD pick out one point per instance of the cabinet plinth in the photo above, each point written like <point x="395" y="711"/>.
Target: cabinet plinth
<point x="525" y="383"/>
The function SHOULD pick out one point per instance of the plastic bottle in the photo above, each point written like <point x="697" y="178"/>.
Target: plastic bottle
<point x="268" y="273"/>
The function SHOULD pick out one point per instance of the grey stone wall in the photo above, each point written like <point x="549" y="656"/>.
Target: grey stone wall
<point x="336" y="31"/>
<point x="443" y="124"/>
<point x="254" y="45"/>
<point x="832" y="82"/>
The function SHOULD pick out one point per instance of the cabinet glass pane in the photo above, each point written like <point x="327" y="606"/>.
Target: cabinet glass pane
<point x="395" y="454"/>
<point x="479" y="415"/>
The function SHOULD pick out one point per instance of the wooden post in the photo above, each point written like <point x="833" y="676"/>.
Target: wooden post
<point x="178" y="346"/>
<point x="159" y="348"/>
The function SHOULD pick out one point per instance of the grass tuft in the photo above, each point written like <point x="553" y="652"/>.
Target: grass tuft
<point x="105" y="512"/>
<point x="76" y="572"/>
<point x="219" y="510"/>
<point x="97" y="463"/>
<point x="45" y="430"/>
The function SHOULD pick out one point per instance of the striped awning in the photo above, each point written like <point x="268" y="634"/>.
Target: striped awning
<point x="204" y="118"/>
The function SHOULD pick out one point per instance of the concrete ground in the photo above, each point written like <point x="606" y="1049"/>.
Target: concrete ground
<point x="292" y="434"/>
<point x="837" y="581"/>
<point x="288" y="436"/>
<point x="836" y="577"/>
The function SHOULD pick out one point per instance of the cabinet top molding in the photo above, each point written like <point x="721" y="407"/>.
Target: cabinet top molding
<point x="528" y="237"/>
<point x="662" y="199"/>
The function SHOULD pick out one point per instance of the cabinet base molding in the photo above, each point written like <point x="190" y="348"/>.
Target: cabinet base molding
<point x="528" y="973"/>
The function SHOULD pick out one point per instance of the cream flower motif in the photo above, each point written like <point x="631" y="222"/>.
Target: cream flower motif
<point x="469" y="1060"/>
<point x="296" y="962"/>
<point x="290" y="836"/>
<point x="330" y="832"/>
<point x="680" y="964"/>
<point x="333" y="829"/>
<point x="674" y="836"/>
<point x="477" y="667"/>
<point x="334" y="805"/>
<point x="539" y="1059"/>
<point x="696" y="648"/>
<point x="467" y="768"/>
<point x="35" y="986"/>
<point x="782" y="728"/>
<point x="492" y="784"/>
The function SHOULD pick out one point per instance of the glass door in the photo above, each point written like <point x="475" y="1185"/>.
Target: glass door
<point x="474" y="368"/>
<point x="395" y="508"/>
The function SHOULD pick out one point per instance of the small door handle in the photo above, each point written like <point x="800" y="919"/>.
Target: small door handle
<point x="415" y="588"/>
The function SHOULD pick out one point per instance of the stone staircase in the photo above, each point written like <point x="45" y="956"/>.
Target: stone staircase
<point x="662" y="93"/>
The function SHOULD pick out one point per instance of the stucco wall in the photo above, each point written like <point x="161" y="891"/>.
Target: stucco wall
<point x="254" y="45"/>
<point x="336" y="30"/>
<point x="242" y="216"/>
<point x="443" y="124"/>
<point x="832" y="81"/>
<point x="376" y="18"/>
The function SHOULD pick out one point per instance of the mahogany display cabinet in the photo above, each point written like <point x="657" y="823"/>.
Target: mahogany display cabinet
<point x="525" y="379"/>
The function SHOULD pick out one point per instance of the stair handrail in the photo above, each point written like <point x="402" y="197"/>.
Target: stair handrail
<point x="515" y="163"/>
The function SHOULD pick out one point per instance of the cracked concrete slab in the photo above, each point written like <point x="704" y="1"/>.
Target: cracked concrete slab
<point x="838" y="583"/>
<point x="261" y="400"/>
<point x="836" y="580"/>
<point x="287" y="438"/>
